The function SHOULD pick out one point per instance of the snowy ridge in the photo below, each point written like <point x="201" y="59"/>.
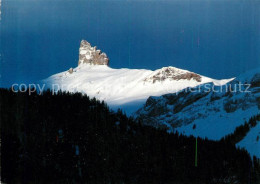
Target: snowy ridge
<point x="121" y="86"/>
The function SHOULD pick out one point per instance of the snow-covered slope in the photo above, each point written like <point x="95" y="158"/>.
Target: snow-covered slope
<point x="122" y="88"/>
<point x="252" y="141"/>
<point x="118" y="87"/>
<point x="204" y="112"/>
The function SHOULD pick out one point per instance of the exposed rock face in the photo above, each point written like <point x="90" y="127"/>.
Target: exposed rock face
<point x="199" y="103"/>
<point x="173" y="74"/>
<point x="70" y="70"/>
<point x="89" y="54"/>
<point x="188" y="76"/>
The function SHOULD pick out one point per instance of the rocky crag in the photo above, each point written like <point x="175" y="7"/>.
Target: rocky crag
<point x="91" y="55"/>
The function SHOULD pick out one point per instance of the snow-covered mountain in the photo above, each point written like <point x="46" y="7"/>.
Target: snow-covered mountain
<point x="171" y="98"/>
<point x="124" y="88"/>
<point x="208" y="110"/>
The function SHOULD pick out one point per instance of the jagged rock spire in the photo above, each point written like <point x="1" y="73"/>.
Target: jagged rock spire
<point x="89" y="54"/>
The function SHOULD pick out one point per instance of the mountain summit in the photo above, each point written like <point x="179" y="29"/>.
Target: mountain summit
<point x="90" y="55"/>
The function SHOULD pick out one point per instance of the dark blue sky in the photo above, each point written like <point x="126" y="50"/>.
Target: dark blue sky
<point x="219" y="39"/>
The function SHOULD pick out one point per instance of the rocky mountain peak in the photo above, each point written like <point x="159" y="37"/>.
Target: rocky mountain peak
<point x="172" y="73"/>
<point x="90" y="55"/>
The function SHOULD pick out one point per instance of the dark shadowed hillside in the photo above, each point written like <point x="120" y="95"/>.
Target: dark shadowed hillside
<point x="70" y="138"/>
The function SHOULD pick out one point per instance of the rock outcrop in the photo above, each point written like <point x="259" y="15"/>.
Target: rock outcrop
<point x="70" y="70"/>
<point x="90" y="55"/>
<point x="172" y="73"/>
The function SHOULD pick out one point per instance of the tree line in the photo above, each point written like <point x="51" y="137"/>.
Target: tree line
<point x="70" y="138"/>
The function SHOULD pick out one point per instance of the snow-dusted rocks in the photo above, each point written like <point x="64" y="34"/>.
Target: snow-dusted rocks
<point x="90" y="55"/>
<point x="70" y="70"/>
<point x="208" y="110"/>
<point x="202" y="102"/>
<point x="172" y="73"/>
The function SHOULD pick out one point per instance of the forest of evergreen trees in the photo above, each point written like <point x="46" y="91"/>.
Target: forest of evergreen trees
<point x="70" y="138"/>
<point x="241" y="131"/>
